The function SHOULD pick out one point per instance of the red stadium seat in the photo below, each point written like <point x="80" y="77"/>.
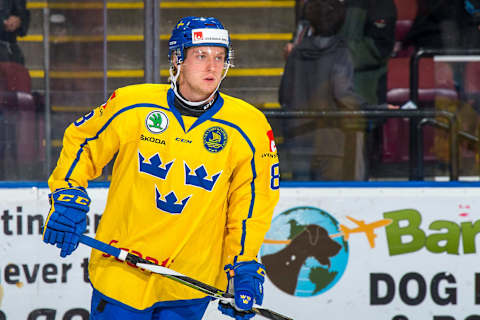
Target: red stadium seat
<point x="435" y="81"/>
<point x="17" y="77"/>
<point x="401" y="29"/>
<point x="398" y="81"/>
<point x="471" y="82"/>
<point x="406" y="13"/>
<point x="19" y="110"/>
<point x="406" y="9"/>
<point x="472" y="78"/>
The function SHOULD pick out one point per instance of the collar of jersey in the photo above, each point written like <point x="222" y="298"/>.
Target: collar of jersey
<point x="204" y="117"/>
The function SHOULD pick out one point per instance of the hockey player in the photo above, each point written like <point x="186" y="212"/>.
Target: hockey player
<point x="193" y="188"/>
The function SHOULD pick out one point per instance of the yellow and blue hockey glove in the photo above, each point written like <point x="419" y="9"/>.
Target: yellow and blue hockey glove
<point x="67" y="219"/>
<point x="245" y="281"/>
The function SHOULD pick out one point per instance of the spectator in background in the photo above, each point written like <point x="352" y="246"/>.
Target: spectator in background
<point x="319" y="76"/>
<point x="468" y="22"/>
<point x="369" y="30"/>
<point x="468" y="19"/>
<point x="466" y="37"/>
<point x="444" y="24"/>
<point x="16" y="19"/>
<point x="302" y="27"/>
<point x="435" y="25"/>
<point x="450" y="25"/>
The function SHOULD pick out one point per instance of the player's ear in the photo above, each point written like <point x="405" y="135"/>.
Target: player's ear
<point x="175" y="60"/>
<point x="174" y="63"/>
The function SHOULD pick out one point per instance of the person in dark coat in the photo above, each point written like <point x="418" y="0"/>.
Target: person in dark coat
<point x="369" y="29"/>
<point x="318" y="75"/>
<point x="16" y="20"/>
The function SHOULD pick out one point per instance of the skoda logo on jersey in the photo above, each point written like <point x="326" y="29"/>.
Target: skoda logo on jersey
<point x="215" y="139"/>
<point x="156" y="121"/>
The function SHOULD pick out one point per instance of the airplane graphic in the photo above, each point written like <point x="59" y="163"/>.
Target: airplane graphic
<point x="362" y="227"/>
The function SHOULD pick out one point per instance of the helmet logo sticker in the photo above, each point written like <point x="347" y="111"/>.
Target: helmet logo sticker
<point x="197" y="35"/>
<point x="215" y="139"/>
<point x="156" y="121"/>
<point x="210" y="36"/>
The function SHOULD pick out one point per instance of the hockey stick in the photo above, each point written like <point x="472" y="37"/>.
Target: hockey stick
<point x="173" y="275"/>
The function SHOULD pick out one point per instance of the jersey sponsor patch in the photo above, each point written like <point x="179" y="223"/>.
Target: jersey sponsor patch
<point x="156" y="121"/>
<point x="215" y="139"/>
<point x="271" y="140"/>
<point x="152" y="139"/>
<point x="269" y="155"/>
<point x="105" y="105"/>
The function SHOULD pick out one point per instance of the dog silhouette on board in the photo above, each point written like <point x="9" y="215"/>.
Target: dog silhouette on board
<point x="283" y="267"/>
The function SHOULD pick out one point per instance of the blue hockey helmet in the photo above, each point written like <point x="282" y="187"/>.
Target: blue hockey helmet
<point x="198" y="31"/>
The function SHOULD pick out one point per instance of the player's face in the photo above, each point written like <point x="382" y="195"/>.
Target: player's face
<point x="201" y="72"/>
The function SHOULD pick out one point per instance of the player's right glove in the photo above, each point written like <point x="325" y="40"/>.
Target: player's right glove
<point x="67" y="219"/>
<point x="245" y="281"/>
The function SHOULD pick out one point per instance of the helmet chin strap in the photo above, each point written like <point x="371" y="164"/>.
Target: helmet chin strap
<point x="174" y="86"/>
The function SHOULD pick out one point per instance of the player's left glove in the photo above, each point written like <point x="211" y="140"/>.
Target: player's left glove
<point x="245" y="282"/>
<point x="67" y="219"/>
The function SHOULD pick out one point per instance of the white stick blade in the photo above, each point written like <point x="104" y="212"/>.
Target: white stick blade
<point x="159" y="269"/>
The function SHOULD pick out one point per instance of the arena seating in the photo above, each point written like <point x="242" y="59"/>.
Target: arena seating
<point x="406" y="12"/>
<point x="21" y="134"/>
<point x="76" y="34"/>
<point x="472" y="80"/>
<point x="435" y="84"/>
<point x="76" y="49"/>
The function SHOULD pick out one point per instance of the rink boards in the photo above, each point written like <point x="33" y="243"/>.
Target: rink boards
<point x="421" y="261"/>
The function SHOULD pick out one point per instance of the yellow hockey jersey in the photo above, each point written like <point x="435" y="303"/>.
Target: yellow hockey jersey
<point x="188" y="193"/>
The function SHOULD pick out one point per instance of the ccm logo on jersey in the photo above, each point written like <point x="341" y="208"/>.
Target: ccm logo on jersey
<point x="271" y="139"/>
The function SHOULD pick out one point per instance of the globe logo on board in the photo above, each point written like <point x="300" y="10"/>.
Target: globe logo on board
<point x="304" y="252"/>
